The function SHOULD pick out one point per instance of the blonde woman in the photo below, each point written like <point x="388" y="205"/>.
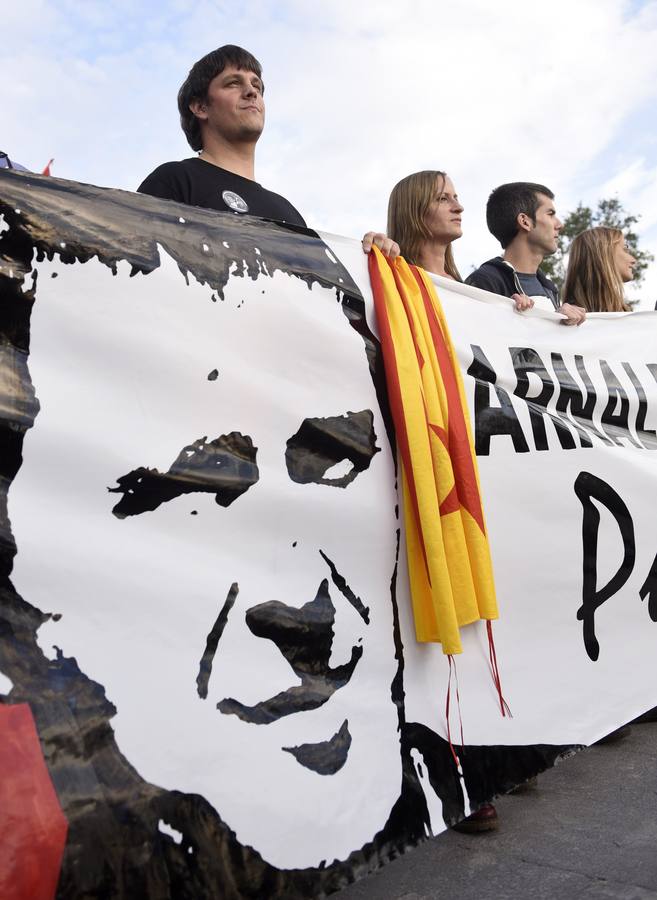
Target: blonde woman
<point x="424" y="217"/>
<point x="599" y="264"/>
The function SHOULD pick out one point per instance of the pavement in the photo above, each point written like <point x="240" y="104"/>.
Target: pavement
<point x="589" y="830"/>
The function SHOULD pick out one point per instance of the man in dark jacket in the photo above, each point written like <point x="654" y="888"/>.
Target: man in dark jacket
<point x="522" y="217"/>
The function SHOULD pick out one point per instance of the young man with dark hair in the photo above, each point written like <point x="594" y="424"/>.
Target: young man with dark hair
<point x="521" y="215"/>
<point x="222" y="113"/>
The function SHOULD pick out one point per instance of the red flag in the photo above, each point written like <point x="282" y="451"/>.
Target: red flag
<point x="32" y="825"/>
<point x="47" y="171"/>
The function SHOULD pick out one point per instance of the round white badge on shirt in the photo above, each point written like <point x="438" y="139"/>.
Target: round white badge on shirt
<point x="234" y="201"/>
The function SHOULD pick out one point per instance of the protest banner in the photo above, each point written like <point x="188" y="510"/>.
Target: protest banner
<point x="204" y="589"/>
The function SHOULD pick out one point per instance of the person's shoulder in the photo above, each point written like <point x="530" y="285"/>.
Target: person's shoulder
<point x="490" y="276"/>
<point x="170" y="168"/>
<point x="164" y="177"/>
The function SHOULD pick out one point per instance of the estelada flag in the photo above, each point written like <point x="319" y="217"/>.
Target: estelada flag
<point x="449" y="562"/>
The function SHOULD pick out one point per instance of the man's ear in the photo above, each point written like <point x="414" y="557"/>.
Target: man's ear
<point x="524" y="222"/>
<point x="198" y="107"/>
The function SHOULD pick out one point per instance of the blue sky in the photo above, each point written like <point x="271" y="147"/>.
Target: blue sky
<point x="358" y="95"/>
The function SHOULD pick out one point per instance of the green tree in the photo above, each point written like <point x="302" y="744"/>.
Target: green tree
<point x="609" y="212"/>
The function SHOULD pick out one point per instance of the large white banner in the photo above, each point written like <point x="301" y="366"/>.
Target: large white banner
<point x="209" y="604"/>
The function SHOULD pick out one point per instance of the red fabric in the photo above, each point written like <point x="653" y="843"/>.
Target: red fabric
<point x="504" y="706"/>
<point x="32" y="825"/>
<point x="46" y="171"/>
<point x="452" y="664"/>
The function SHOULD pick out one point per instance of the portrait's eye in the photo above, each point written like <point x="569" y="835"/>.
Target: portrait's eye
<point x="332" y="450"/>
<point x="225" y="467"/>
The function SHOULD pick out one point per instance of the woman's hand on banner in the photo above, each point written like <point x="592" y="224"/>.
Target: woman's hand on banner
<point x="385" y="244"/>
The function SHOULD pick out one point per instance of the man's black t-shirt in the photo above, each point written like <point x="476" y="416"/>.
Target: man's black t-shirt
<point x="200" y="183"/>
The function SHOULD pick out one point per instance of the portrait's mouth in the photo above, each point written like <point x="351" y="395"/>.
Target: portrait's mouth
<point x="324" y="757"/>
<point x="304" y="636"/>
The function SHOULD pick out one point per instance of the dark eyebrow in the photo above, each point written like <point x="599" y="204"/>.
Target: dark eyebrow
<point x="240" y="74"/>
<point x="320" y="443"/>
<point x="225" y="467"/>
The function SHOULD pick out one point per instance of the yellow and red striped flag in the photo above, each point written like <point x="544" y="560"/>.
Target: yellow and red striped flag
<point x="450" y="568"/>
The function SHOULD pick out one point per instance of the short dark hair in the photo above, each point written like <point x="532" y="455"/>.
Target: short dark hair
<point x="195" y="86"/>
<point x="506" y="203"/>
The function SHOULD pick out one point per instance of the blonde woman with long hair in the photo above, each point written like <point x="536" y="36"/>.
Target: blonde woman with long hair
<point x="599" y="264"/>
<point x="424" y="217"/>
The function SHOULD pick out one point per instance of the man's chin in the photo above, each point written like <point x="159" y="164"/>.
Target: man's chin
<point x="251" y="131"/>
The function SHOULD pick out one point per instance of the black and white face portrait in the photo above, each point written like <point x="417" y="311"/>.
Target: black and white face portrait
<point x="201" y="598"/>
<point x="215" y="545"/>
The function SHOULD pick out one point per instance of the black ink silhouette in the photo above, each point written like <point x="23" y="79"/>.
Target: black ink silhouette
<point x="225" y="467"/>
<point x="341" y="584"/>
<point x="321" y="443"/>
<point x="304" y="637"/>
<point x="205" y="666"/>
<point x="326" y="757"/>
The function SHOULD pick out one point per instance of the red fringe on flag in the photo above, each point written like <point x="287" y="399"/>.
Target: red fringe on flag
<point x="504" y="706"/>
<point x="452" y="663"/>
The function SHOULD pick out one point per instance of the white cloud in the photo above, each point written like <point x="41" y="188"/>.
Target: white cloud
<point x="637" y="187"/>
<point x="358" y="96"/>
